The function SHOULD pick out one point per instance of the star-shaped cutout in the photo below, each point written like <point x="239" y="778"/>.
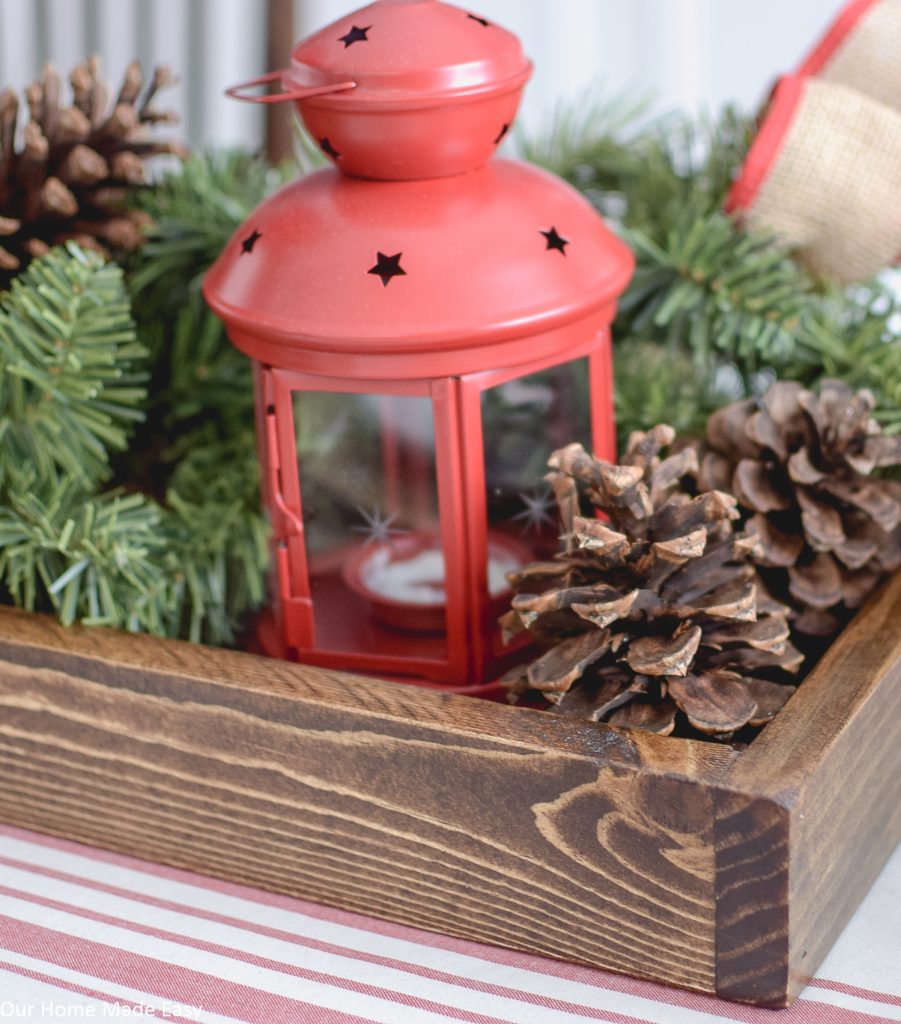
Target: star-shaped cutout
<point x="555" y="240"/>
<point x="355" y="35"/>
<point x="387" y="267"/>
<point x="481" y="21"/>
<point x="328" y="149"/>
<point x="504" y="129"/>
<point x="250" y="241"/>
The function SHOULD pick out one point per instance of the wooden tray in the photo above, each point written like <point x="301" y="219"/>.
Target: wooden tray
<point x="673" y="860"/>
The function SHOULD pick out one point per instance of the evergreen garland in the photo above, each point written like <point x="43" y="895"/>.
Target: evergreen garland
<point x="123" y="503"/>
<point x="71" y="373"/>
<point x="99" y="559"/>
<point x="129" y="490"/>
<point x="197" y="448"/>
<point x="71" y="385"/>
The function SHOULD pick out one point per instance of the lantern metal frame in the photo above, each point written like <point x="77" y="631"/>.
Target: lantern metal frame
<point x="456" y="404"/>
<point x="410" y="111"/>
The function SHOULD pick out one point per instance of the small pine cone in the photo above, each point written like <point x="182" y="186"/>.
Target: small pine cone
<point x="655" y="614"/>
<point x="800" y="464"/>
<point x="72" y="175"/>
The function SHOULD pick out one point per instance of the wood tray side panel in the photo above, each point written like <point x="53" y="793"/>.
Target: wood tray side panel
<point x="487" y="822"/>
<point x="678" y="861"/>
<point x="847" y="819"/>
<point x="821" y="794"/>
<point x="752" y="865"/>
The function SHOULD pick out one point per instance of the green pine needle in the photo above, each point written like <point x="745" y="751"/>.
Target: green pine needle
<point x="71" y="377"/>
<point x="856" y="337"/>
<point x="188" y="558"/>
<point x="194" y="212"/>
<point x="202" y="396"/>
<point x="219" y="537"/>
<point x="99" y="560"/>
<point x="720" y="292"/>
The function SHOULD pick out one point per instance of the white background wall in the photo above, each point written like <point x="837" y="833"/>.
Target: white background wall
<point x="689" y="53"/>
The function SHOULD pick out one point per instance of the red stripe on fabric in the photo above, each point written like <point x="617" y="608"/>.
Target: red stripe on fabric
<point x="594" y="977"/>
<point x="81" y="990"/>
<point x="417" y="1002"/>
<point x="290" y="970"/>
<point x="304" y="942"/>
<point x="856" y="990"/>
<point x="160" y="979"/>
<point x="802" y="1011"/>
<point x="669" y="997"/>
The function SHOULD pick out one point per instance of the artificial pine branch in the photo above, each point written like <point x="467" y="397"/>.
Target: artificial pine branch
<point x="188" y="569"/>
<point x="722" y="293"/>
<point x="219" y="538"/>
<point x="209" y="379"/>
<point x="597" y="146"/>
<point x="96" y="559"/>
<point x="188" y="556"/>
<point x="71" y="373"/>
<point x="196" y="373"/>
<point x="657" y="382"/>
<point x="193" y="213"/>
<point x="197" y="450"/>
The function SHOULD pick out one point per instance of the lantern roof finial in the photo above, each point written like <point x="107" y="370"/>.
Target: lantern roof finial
<point x="404" y="89"/>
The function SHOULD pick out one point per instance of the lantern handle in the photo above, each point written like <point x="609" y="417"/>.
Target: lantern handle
<point x="236" y="92"/>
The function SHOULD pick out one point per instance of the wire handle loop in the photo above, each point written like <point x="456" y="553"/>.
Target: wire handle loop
<point x="236" y="92"/>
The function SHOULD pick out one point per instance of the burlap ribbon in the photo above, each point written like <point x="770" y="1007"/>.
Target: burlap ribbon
<point x="831" y="190"/>
<point x="862" y="50"/>
<point x="824" y="173"/>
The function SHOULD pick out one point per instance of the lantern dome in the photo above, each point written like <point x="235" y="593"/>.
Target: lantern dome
<point x="444" y="275"/>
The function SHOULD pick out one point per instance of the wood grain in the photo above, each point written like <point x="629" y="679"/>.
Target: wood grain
<point x="668" y="859"/>
<point x="494" y="823"/>
<point x="813" y="809"/>
<point x="752" y="898"/>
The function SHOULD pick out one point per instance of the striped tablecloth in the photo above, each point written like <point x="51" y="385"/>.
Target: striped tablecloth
<point x="89" y="935"/>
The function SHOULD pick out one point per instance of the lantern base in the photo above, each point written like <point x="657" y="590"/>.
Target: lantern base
<point x="268" y="641"/>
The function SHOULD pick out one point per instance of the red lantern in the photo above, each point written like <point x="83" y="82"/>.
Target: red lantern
<point x="426" y="325"/>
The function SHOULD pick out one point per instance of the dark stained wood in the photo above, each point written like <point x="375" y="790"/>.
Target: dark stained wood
<point x="823" y="782"/>
<point x="752" y="898"/>
<point x="500" y="824"/>
<point x="670" y="859"/>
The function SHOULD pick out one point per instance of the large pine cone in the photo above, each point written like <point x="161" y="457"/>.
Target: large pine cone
<point x="800" y="464"/>
<point x="72" y="175"/>
<point x="656" y="610"/>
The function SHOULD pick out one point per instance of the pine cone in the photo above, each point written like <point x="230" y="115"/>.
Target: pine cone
<point x="800" y="465"/>
<point x="77" y="163"/>
<point x="657" y="609"/>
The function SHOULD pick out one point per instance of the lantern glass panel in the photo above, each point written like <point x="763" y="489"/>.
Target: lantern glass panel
<point x="524" y="420"/>
<point x="369" y="497"/>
